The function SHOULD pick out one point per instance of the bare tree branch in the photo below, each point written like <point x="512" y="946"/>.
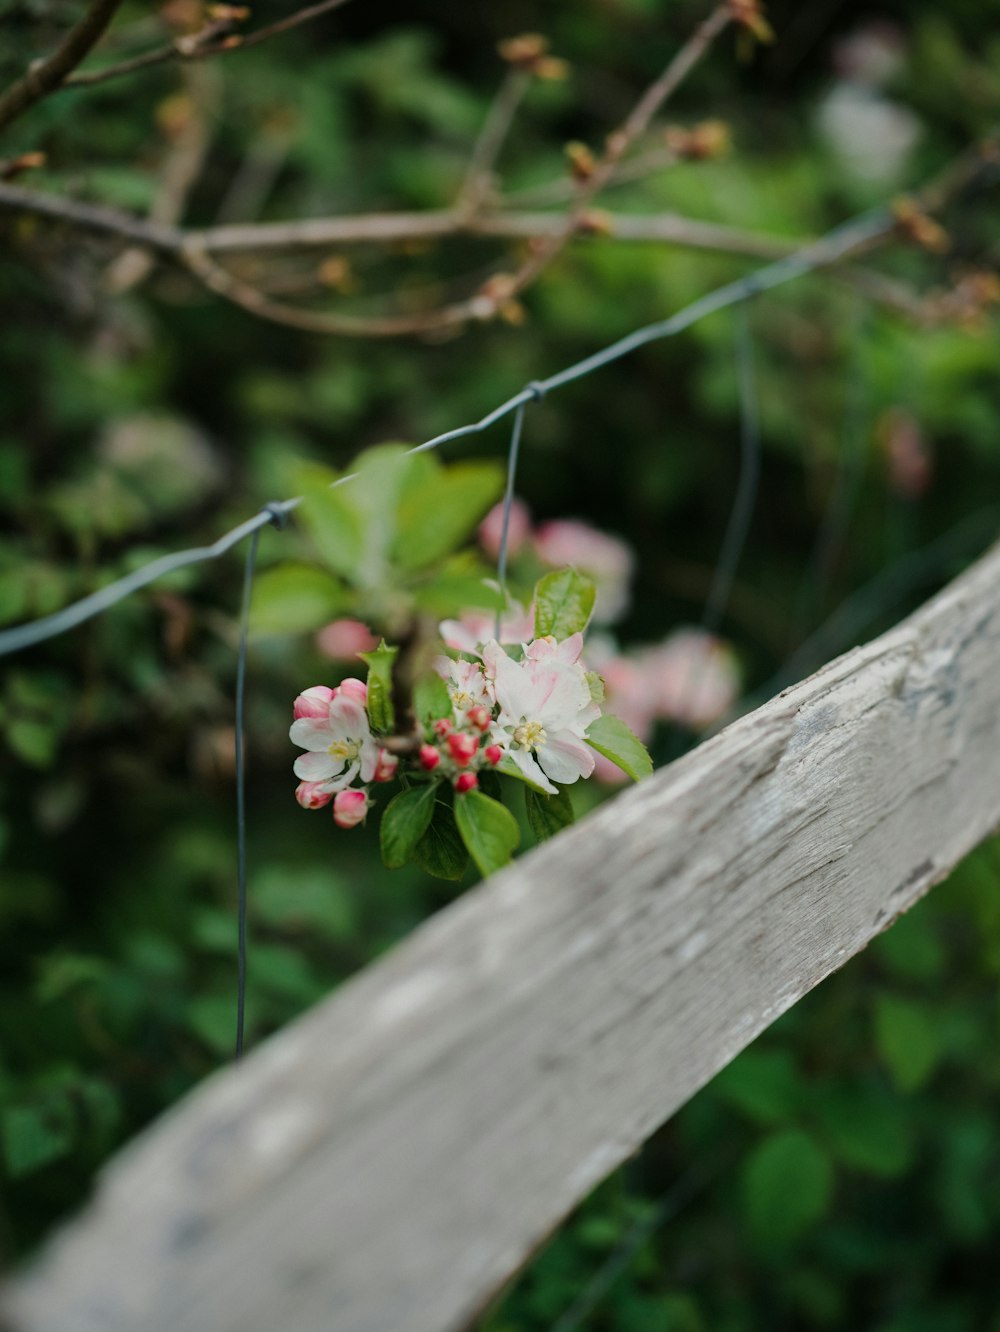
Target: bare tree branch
<point x="201" y="46"/>
<point x="46" y="76"/>
<point x="478" y="182"/>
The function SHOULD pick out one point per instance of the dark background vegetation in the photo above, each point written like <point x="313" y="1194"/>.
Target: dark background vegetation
<point x="844" y="1171"/>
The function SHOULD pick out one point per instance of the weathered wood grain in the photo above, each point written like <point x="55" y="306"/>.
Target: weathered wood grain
<point x="385" y="1162"/>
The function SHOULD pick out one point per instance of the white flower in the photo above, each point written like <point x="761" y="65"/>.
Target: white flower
<point x="545" y="709"/>
<point x="340" y="745"/>
<point x="467" y="685"/>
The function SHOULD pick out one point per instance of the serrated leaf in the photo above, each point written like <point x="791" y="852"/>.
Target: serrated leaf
<point x="908" y="1040"/>
<point x="333" y="523"/>
<point x="488" y="829"/>
<point x="441" y="510"/>
<point x="787" y="1186"/>
<point x="564" y="601"/>
<point x="380" y="708"/>
<point x="612" y="738"/>
<point x="548" y="814"/>
<point x="431" y="699"/>
<point x="441" y="851"/>
<point x="407" y="817"/>
<point x="295" y="598"/>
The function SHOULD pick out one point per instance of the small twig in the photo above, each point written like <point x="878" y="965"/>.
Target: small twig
<point x="478" y="183"/>
<point x="48" y="75"/>
<point x="192" y="49"/>
<point x="564" y="188"/>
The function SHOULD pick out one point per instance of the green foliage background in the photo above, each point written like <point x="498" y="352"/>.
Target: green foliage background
<point x="844" y="1171"/>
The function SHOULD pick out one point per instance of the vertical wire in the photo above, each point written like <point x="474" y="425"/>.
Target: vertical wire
<point x="508" y="501"/>
<point x="241" y="802"/>
<point x="747" y="484"/>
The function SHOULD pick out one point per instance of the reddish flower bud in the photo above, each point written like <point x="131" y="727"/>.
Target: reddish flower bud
<point x="462" y="747"/>
<point x="443" y="727"/>
<point x="480" y="718"/>
<point x="493" y="754"/>
<point x="387" y="765"/>
<point x="356" y="689"/>
<point x="314" y="702"/>
<point x="429" y="757"/>
<point x="350" y="808"/>
<point x="312" y="795"/>
<point x="466" y="781"/>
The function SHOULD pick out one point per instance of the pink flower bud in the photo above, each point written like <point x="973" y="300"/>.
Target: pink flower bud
<point x="493" y="754"/>
<point x="466" y="781"/>
<point x="312" y="795"/>
<point x="462" y="747"/>
<point x="344" y="639"/>
<point x="386" y="767"/>
<point x="443" y="727"/>
<point x="429" y="757"/>
<point x="356" y="689"/>
<point x="314" y="702"/>
<point x="350" y="808"/>
<point x="480" y="718"/>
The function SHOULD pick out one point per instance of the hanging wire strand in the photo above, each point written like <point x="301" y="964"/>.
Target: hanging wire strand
<point x="738" y="527"/>
<point x="834" y="245"/>
<point x="241" y="795"/>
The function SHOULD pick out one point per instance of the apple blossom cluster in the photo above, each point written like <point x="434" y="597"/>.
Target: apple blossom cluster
<point x="527" y="715"/>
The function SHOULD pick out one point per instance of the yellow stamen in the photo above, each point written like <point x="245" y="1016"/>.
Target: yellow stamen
<point x="530" y="735"/>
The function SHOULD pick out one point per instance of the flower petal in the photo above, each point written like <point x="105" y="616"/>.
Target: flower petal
<point x="308" y="733"/>
<point x="316" y="767"/>
<point x="525" y="760"/>
<point x="565" y="757"/>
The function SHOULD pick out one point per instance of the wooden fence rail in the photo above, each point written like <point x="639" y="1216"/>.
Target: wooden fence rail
<point x="387" y="1161"/>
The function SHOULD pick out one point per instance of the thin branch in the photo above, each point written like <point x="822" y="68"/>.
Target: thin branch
<point x="478" y="182"/>
<point x="191" y="48"/>
<point x="46" y="76"/>
<point x="563" y="189"/>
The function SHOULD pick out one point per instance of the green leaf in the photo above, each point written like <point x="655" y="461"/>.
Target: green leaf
<point x="33" y="741"/>
<point x="441" y="510"/>
<point x="380" y="709"/>
<point x="563" y="603"/>
<point x="488" y="829"/>
<point x="547" y="814"/>
<point x="35" y="1135"/>
<point x="763" y="1084"/>
<point x="295" y="598"/>
<point x="450" y="593"/>
<point x="612" y="738"/>
<point x="406" y="819"/>
<point x="868" y="1130"/>
<point x="907" y="1039"/>
<point x="595" y="683"/>
<point x="333" y="523"/>
<point x="441" y="851"/>
<point x="431" y="699"/>
<point x="787" y="1186"/>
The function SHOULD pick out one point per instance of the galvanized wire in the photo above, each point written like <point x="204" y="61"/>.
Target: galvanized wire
<point x="834" y="245"/>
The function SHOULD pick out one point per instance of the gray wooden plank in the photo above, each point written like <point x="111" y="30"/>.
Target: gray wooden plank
<point x="389" y="1159"/>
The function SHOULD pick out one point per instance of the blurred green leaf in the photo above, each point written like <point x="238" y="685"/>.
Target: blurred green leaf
<point x="36" y="1135"/>
<point x="295" y="598"/>
<point x="333" y="523"/>
<point x="907" y="1038"/>
<point x="787" y="1186"/>
<point x="431" y="699"/>
<point x="764" y="1084"/>
<point x="442" y="509"/>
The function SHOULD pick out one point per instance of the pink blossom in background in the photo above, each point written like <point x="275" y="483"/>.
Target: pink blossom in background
<point x="608" y="560"/>
<point x="342" y="640"/>
<point x="693" y="678"/>
<point x="628" y="696"/>
<point x="473" y="628"/>
<point x="518" y="529"/>
<point x="350" y="808"/>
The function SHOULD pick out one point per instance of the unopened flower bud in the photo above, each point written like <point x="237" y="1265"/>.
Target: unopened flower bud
<point x="493" y="754"/>
<point x="314" y="702"/>
<point x="429" y="757"/>
<point x="479" y="717"/>
<point x="462" y="747"/>
<point x="386" y="767"/>
<point x="350" y="808"/>
<point x="443" y="726"/>
<point x="313" y="795"/>
<point x="466" y="781"/>
<point x="356" y="689"/>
